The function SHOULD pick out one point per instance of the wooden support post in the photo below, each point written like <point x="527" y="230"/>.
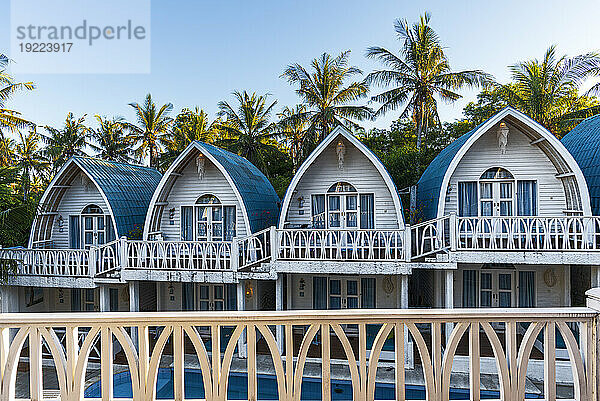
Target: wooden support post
<point x="241" y="305"/>
<point x="104" y="298"/>
<point x="134" y="306"/>
<point x="279" y="306"/>
<point x="449" y="298"/>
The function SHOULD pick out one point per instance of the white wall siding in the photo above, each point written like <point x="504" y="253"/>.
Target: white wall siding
<point x="188" y="188"/>
<point x="75" y="198"/>
<point x="357" y="170"/>
<point x="523" y="160"/>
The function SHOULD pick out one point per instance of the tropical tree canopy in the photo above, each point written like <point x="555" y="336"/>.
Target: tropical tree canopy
<point x="151" y="133"/>
<point x="293" y="128"/>
<point x="111" y="141"/>
<point x="327" y="95"/>
<point x="69" y="141"/>
<point x="420" y="73"/>
<point x="247" y="128"/>
<point x="10" y="119"/>
<point x="30" y="160"/>
<point x="547" y="90"/>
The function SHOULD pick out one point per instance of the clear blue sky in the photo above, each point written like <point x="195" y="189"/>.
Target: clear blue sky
<point x="203" y="50"/>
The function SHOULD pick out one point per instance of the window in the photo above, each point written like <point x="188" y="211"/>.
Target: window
<point x="467" y="199"/>
<point x="343" y="207"/>
<point x="496" y="173"/>
<point x="526" y="198"/>
<point x="526" y="289"/>
<point x="114" y="299"/>
<point x="208" y="220"/>
<point x="93" y="230"/>
<point x="469" y="289"/>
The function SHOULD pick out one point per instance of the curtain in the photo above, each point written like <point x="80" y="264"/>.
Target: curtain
<point x="469" y="289"/>
<point x="75" y="300"/>
<point x="74" y="232"/>
<point x="526" y="198"/>
<point x="318" y="211"/>
<point x="367" y="212"/>
<point x="187" y="296"/>
<point x="467" y="199"/>
<point x="367" y="293"/>
<point x="229" y="222"/>
<point x="110" y="230"/>
<point x="526" y="289"/>
<point x="231" y="294"/>
<point x="187" y="223"/>
<point x="113" y="299"/>
<point x="319" y="292"/>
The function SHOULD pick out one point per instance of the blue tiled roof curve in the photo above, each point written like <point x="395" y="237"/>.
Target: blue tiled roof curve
<point x="583" y="142"/>
<point x="430" y="183"/>
<point x="128" y="189"/>
<point x="258" y="195"/>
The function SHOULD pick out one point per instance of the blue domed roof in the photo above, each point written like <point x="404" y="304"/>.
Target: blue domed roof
<point x="583" y="142"/>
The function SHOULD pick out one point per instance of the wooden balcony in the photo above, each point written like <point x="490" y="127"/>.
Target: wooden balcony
<point x="123" y="339"/>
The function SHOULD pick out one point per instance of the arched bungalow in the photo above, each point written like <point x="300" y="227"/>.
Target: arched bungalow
<point x="341" y="229"/>
<point x="89" y="202"/>
<point x="207" y="195"/>
<point x="509" y="181"/>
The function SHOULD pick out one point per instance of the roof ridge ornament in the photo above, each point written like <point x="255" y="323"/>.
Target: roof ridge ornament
<point x="201" y="166"/>
<point x="502" y="136"/>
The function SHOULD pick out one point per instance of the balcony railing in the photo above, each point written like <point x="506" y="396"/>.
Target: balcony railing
<point x="355" y="337"/>
<point x="47" y="262"/>
<point x="341" y="245"/>
<point x="577" y="233"/>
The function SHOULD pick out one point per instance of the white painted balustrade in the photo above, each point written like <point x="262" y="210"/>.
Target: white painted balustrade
<point x="341" y="245"/>
<point x="324" y="332"/>
<point x="565" y="233"/>
<point x="432" y="236"/>
<point x="47" y="262"/>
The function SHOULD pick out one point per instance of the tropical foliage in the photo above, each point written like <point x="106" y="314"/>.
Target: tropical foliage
<point x="111" y="140"/>
<point x="420" y="73"/>
<point x="11" y="120"/>
<point x="69" y="141"/>
<point x="327" y="95"/>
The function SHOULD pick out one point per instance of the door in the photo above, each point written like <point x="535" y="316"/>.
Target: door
<point x="211" y="297"/>
<point x="496" y="198"/>
<point x="496" y="289"/>
<point x="209" y="223"/>
<point x="343" y="293"/>
<point x="93" y="230"/>
<point x="342" y="211"/>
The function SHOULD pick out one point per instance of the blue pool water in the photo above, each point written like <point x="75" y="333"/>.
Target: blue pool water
<point x="267" y="388"/>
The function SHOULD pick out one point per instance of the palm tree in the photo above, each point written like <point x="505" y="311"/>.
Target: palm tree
<point x="11" y="119"/>
<point x="548" y="90"/>
<point x="151" y="134"/>
<point x="112" y="141"/>
<point x="69" y="141"/>
<point x="189" y="126"/>
<point x="30" y="160"/>
<point x="420" y="73"/>
<point x="294" y="130"/>
<point x="247" y="127"/>
<point x="326" y="95"/>
<point x="7" y="151"/>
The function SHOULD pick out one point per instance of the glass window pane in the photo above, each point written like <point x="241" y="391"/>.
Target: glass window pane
<point x="218" y="292"/>
<point x="352" y="302"/>
<point x="486" y="208"/>
<point x="201" y="213"/>
<point x="334" y="220"/>
<point x="100" y="238"/>
<point x="351" y="202"/>
<point x="100" y="223"/>
<point x="217" y="214"/>
<point x="352" y="287"/>
<point x="486" y="190"/>
<point x="486" y="299"/>
<point x="89" y="223"/>
<point x="219" y="305"/>
<point x="203" y="292"/>
<point x="217" y="231"/>
<point x="486" y="281"/>
<point x="351" y="219"/>
<point x="506" y="190"/>
<point x="504" y="282"/>
<point x="506" y="208"/>
<point x="335" y="287"/>
<point x="201" y="229"/>
<point x="335" y="303"/>
<point x="89" y="238"/>
<point x="203" y="305"/>
<point x="504" y="299"/>
<point x="334" y="203"/>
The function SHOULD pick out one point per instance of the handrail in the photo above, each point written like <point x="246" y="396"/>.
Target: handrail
<point x="432" y="236"/>
<point x="48" y="262"/>
<point x="376" y="329"/>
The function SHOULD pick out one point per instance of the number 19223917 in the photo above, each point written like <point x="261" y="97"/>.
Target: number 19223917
<point x="35" y="47"/>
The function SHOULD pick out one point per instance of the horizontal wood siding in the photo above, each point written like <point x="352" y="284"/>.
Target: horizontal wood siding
<point x="188" y="188"/>
<point x="75" y="198"/>
<point x="358" y="171"/>
<point x="523" y="160"/>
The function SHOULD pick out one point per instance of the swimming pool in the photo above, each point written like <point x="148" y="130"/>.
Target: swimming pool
<point x="267" y="388"/>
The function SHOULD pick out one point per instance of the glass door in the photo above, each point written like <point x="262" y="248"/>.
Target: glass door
<point x="344" y="293"/>
<point x="211" y="297"/>
<point x="93" y="230"/>
<point x="496" y="289"/>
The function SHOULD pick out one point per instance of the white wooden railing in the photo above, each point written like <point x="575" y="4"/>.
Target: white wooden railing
<point x="320" y="331"/>
<point x="255" y="249"/>
<point x="177" y="255"/>
<point x="47" y="262"/>
<point x="573" y="233"/>
<point x="432" y="236"/>
<point x="341" y="245"/>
